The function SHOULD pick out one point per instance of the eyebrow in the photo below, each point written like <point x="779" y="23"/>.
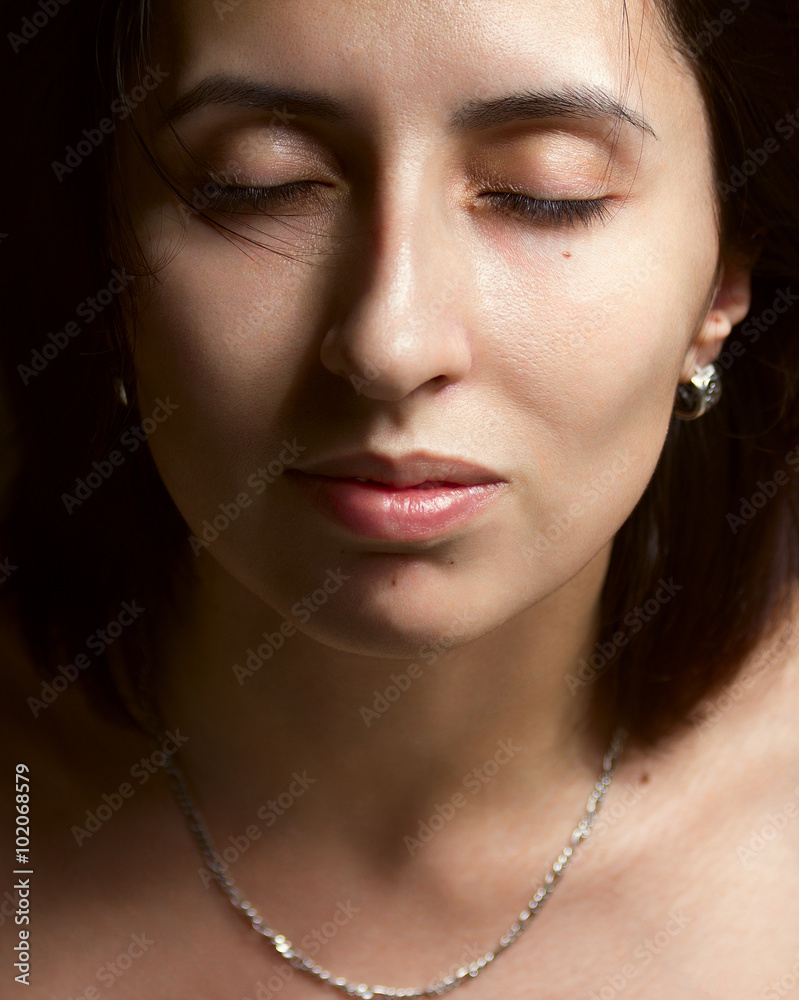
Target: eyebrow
<point x="586" y="103"/>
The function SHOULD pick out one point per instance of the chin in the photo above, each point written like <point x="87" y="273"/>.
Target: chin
<point x="397" y="613"/>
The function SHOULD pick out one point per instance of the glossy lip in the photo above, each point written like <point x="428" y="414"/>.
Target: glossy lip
<point x="415" y="498"/>
<point x="404" y="471"/>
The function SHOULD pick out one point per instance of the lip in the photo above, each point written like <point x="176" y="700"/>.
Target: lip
<point x="414" y="498"/>
<point x="405" y="471"/>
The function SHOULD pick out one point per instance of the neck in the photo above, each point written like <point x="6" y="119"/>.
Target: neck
<point x="371" y="732"/>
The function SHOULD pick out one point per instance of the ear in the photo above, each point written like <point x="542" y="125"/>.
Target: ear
<point x="731" y="303"/>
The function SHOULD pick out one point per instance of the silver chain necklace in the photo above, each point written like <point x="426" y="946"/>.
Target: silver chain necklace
<point x="299" y="960"/>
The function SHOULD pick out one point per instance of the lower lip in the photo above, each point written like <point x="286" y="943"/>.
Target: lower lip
<point x="373" y="510"/>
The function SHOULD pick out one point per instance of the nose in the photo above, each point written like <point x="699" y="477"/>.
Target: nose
<point x="402" y="325"/>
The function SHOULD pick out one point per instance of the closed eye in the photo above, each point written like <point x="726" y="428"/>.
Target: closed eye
<point x="263" y="199"/>
<point x="557" y="212"/>
<point x="551" y="211"/>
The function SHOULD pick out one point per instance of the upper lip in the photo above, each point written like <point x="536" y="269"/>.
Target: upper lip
<point x="404" y="471"/>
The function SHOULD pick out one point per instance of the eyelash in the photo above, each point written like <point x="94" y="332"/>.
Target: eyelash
<point x="546" y="210"/>
<point x="542" y="210"/>
<point x="256" y="199"/>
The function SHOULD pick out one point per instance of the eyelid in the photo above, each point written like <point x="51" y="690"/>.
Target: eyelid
<point x="246" y="199"/>
<point x="552" y="211"/>
<point x="559" y="185"/>
<point x="237" y="198"/>
<point x="551" y="153"/>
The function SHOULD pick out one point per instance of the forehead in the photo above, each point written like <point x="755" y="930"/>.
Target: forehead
<point x="409" y="62"/>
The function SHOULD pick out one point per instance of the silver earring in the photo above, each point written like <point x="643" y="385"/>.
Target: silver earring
<point x="119" y="389"/>
<point x="700" y="395"/>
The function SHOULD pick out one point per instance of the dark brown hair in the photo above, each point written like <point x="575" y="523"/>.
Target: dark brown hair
<point x="699" y="573"/>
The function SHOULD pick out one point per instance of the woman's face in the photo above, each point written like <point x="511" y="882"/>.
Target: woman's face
<point x="412" y="308"/>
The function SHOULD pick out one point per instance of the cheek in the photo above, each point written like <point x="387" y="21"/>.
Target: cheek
<point x="588" y="349"/>
<point x="226" y="331"/>
<point x="223" y="336"/>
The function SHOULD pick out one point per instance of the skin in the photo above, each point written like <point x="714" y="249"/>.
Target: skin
<point x="553" y="359"/>
<point x="550" y="353"/>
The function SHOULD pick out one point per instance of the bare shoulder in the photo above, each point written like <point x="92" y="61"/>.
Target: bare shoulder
<point x="713" y="833"/>
<point x="754" y="717"/>
<point x="67" y="756"/>
<point x="49" y="727"/>
<point x="694" y="859"/>
<point x="741" y="747"/>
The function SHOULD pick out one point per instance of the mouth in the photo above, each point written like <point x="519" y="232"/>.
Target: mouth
<point x="418" y="470"/>
<point x="427" y="485"/>
<point x="388" y="511"/>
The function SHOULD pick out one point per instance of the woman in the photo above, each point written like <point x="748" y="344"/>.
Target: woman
<point x="373" y="485"/>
